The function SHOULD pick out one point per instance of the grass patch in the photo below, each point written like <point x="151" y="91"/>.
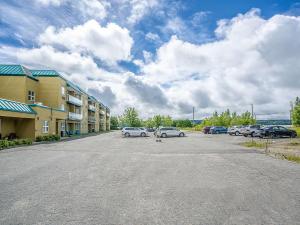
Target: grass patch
<point x="293" y="143"/>
<point x="254" y="144"/>
<point x="297" y="129"/>
<point x="292" y="158"/>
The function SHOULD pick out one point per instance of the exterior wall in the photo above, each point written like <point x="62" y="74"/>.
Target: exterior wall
<point x="31" y="85"/>
<point x="102" y="119"/>
<point x="108" y="124"/>
<point x="97" y="122"/>
<point x="84" y="111"/>
<point x="54" y="117"/>
<point x="7" y="126"/>
<point x="25" y="128"/>
<point x="13" y="88"/>
<point x="50" y="93"/>
<point x="16" y="88"/>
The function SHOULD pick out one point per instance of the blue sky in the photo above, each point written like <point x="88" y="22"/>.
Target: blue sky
<point x="117" y="48"/>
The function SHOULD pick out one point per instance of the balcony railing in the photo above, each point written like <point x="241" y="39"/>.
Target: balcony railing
<point x="75" y="116"/>
<point x="92" y="119"/>
<point x="102" y="112"/>
<point x="92" y="108"/>
<point x="74" y="100"/>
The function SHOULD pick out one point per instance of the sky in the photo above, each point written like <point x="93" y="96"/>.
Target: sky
<point x="163" y="56"/>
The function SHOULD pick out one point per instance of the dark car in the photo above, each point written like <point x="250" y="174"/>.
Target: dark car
<point x="150" y="129"/>
<point x="218" y="130"/>
<point x="206" y="130"/>
<point x="277" y="131"/>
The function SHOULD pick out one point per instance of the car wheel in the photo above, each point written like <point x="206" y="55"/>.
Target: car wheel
<point x="143" y="134"/>
<point x="237" y="133"/>
<point x="293" y="135"/>
<point x="272" y="136"/>
<point x="252" y="134"/>
<point x="164" y="135"/>
<point x="181" y="134"/>
<point x="127" y="134"/>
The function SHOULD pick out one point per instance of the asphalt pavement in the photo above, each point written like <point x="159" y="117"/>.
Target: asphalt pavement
<point x="107" y="179"/>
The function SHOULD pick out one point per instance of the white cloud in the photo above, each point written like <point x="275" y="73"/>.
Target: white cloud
<point x="50" y="2"/>
<point x="110" y="43"/>
<point x="254" y="61"/>
<point x="89" y="8"/>
<point x="152" y="37"/>
<point x="140" y="8"/>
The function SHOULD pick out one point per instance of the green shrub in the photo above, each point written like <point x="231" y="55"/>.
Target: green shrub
<point x="7" y="143"/>
<point x="4" y="144"/>
<point x="51" y="137"/>
<point x="26" y="141"/>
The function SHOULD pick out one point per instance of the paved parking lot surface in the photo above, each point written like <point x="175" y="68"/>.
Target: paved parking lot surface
<point x="107" y="179"/>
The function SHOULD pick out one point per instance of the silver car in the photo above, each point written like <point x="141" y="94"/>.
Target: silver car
<point x="235" y="130"/>
<point x="134" y="131"/>
<point x="168" y="132"/>
<point x="250" y="130"/>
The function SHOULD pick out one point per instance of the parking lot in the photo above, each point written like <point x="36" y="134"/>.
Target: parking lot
<point x="109" y="179"/>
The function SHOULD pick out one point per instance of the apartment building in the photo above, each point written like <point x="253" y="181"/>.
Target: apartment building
<point x="42" y="102"/>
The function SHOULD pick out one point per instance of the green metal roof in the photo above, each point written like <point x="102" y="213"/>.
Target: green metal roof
<point x="74" y="86"/>
<point x="41" y="73"/>
<point x="15" y="70"/>
<point x="8" y="105"/>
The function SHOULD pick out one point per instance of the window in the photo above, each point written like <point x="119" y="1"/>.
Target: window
<point x="62" y="126"/>
<point x="45" y="126"/>
<point x="63" y="91"/>
<point x="31" y="96"/>
<point x="77" y="126"/>
<point x="62" y="107"/>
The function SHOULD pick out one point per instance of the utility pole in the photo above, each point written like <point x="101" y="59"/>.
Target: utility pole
<point x="291" y="111"/>
<point x="252" y="112"/>
<point x="193" y="115"/>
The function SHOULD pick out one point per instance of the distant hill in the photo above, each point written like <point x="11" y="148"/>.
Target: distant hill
<point x="262" y="122"/>
<point x="274" y="122"/>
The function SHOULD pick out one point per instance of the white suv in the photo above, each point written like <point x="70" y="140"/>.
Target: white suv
<point x="134" y="131"/>
<point x="168" y="132"/>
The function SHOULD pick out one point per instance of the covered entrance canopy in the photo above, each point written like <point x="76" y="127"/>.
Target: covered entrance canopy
<point x="16" y="120"/>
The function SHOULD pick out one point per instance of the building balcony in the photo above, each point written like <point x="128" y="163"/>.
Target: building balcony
<point x="92" y="119"/>
<point x="102" y="112"/>
<point x="75" y="116"/>
<point x="92" y="108"/>
<point x="74" y="100"/>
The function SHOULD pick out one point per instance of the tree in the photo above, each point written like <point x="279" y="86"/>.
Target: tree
<point x="114" y="123"/>
<point x="167" y="121"/>
<point x="296" y="113"/>
<point x="157" y="121"/>
<point x="182" y="123"/>
<point x="149" y="123"/>
<point x="227" y="119"/>
<point x="130" y="118"/>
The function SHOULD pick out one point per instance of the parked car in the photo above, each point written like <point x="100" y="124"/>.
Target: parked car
<point x="250" y="130"/>
<point x="206" y="130"/>
<point x="168" y="132"/>
<point x="276" y="132"/>
<point x="235" y="130"/>
<point x="150" y="129"/>
<point x="134" y="131"/>
<point x="218" y="130"/>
